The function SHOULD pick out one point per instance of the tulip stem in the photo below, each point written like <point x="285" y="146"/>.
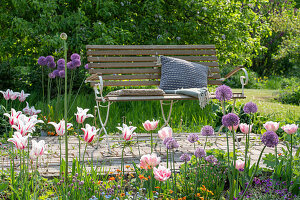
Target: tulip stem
<point x="60" y="170"/>
<point x="151" y="141"/>
<point x="122" y="161"/>
<point x="174" y="172"/>
<point x="167" y="157"/>
<point x="83" y="158"/>
<point x="291" y="161"/>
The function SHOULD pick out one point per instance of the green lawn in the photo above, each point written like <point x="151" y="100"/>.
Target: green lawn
<point x="267" y="105"/>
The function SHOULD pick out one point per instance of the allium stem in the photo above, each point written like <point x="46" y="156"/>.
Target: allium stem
<point x="167" y="158"/>
<point x="205" y="142"/>
<point x="66" y="111"/>
<point x="257" y="164"/>
<point x="43" y="84"/>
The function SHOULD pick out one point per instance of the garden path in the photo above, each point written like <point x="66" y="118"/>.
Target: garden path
<point x="109" y="162"/>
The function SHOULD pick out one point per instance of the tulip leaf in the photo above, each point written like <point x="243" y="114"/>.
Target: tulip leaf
<point x="3" y="186"/>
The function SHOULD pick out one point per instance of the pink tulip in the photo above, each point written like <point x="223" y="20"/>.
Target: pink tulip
<point x="271" y="126"/>
<point x="14" y="95"/>
<point x="234" y="127"/>
<point x="161" y="173"/>
<point x="165" y="132"/>
<point x="20" y="141"/>
<point x="89" y="133"/>
<point x="60" y="127"/>
<point x="26" y="124"/>
<point x="7" y="94"/>
<point x="150" y="126"/>
<point x="149" y="161"/>
<point x="127" y="131"/>
<point x="38" y="149"/>
<point x="30" y="111"/>
<point x="13" y="116"/>
<point x="240" y="165"/>
<point x="245" y="128"/>
<point x="290" y="128"/>
<point x="23" y="96"/>
<point x="81" y="115"/>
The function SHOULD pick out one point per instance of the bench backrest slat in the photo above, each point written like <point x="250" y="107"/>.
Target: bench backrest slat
<point x="121" y="64"/>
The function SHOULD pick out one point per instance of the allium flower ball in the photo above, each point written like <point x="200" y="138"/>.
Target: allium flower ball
<point x="51" y="65"/>
<point x="49" y="59"/>
<point x="240" y="165"/>
<point x="270" y="139"/>
<point x="42" y="61"/>
<point x="200" y="153"/>
<point x="211" y="159"/>
<point x="290" y="128"/>
<point x="63" y="36"/>
<point x="61" y="62"/>
<point x="62" y="74"/>
<point x="172" y="144"/>
<point x="76" y="62"/>
<point x="230" y="119"/>
<point x="193" y="137"/>
<point x="185" y="157"/>
<point x="86" y="66"/>
<point x="271" y="126"/>
<point x="250" y="107"/>
<point x="223" y="93"/>
<point x="51" y="75"/>
<point x="75" y="56"/>
<point x="56" y="72"/>
<point x="149" y="161"/>
<point x="166" y="140"/>
<point x="207" y="131"/>
<point x="70" y="65"/>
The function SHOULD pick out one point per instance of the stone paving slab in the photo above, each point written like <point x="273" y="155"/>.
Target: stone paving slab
<point x="49" y="163"/>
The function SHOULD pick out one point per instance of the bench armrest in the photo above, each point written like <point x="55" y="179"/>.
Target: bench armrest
<point x="243" y="79"/>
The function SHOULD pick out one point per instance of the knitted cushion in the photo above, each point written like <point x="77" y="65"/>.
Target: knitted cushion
<point x="137" y="92"/>
<point x="177" y="74"/>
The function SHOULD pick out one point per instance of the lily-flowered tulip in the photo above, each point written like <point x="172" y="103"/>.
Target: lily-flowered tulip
<point x="38" y="149"/>
<point x="23" y="96"/>
<point x="30" y="111"/>
<point x="7" y="94"/>
<point x="240" y="165"/>
<point x="245" y="128"/>
<point x="81" y="115"/>
<point x="161" y="173"/>
<point x="89" y="132"/>
<point x="14" y="95"/>
<point x="149" y="161"/>
<point x="127" y="131"/>
<point x="271" y="126"/>
<point x="13" y="116"/>
<point x="60" y="127"/>
<point x="150" y="125"/>
<point x="26" y="124"/>
<point x="290" y="128"/>
<point x="234" y="127"/>
<point x="165" y="132"/>
<point x="20" y="141"/>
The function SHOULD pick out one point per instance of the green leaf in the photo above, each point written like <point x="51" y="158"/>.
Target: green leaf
<point x="3" y="186"/>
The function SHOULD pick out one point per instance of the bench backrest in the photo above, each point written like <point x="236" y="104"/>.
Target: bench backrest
<point x="136" y="65"/>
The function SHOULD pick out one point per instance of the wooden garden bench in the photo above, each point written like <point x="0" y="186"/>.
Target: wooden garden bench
<point x="136" y="65"/>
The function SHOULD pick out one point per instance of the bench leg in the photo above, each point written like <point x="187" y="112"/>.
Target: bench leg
<point x="163" y="113"/>
<point x="233" y="105"/>
<point x="103" y="125"/>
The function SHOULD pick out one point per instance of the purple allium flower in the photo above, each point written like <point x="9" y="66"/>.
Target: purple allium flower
<point x="211" y="159"/>
<point x="250" y="107"/>
<point x="223" y="93"/>
<point x="193" y="137"/>
<point x="61" y="62"/>
<point x="49" y="59"/>
<point x="207" y="131"/>
<point x="51" y="75"/>
<point x="56" y="72"/>
<point x="172" y="144"/>
<point x="62" y="74"/>
<point x="86" y="66"/>
<point x="166" y="140"/>
<point x="70" y="65"/>
<point x="185" y="157"/>
<point x="230" y="120"/>
<point x="61" y="67"/>
<point x="270" y="139"/>
<point x="51" y="65"/>
<point x="75" y="56"/>
<point x="76" y="62"/>
<point x="200" y="153"/>
<point x="42" y="61"/>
